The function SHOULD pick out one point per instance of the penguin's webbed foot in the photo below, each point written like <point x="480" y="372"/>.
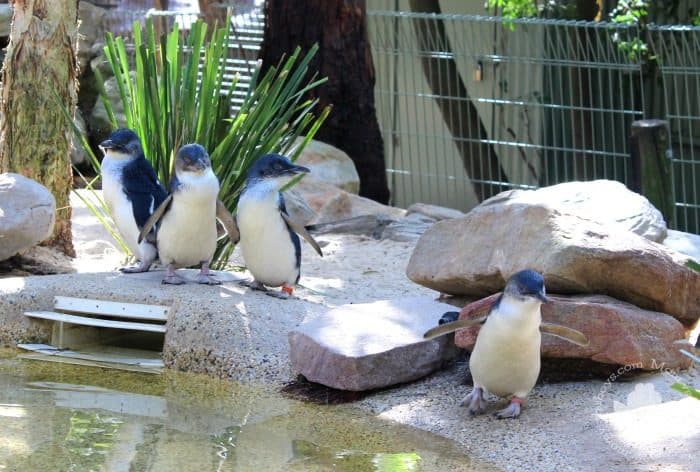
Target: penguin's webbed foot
<point x="281" y="295"/>
<point x="207" y="279"/>
<point x="135" y="269"/>
<point x="171" y="278"/>
<point x="475" y="401"/>
<point x="512" y="410"/>
<point x="253" y="285"/>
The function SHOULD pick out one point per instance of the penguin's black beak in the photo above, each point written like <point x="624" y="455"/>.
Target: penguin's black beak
<point x="295" y="169"/>
<point x="542" y="297"/>
<point x="107" y="144"/>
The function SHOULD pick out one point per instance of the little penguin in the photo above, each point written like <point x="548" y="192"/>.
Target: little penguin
<point x="132" y="192"/>
<point x="269" y="241"/>
<point x="186" y="220"/>
<point x="505" y="360"/>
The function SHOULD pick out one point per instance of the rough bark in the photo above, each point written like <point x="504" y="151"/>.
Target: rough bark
<point x="39" y="77"/>
<point x="340" y="28"/>
<point x="479" y="159"/>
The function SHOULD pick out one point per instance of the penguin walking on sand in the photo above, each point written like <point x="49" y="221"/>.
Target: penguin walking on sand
<point x="505" y="360"/>
<point x="186" y="220"/>
<point x="132" y="192"/>
<point x="269" y="241"/>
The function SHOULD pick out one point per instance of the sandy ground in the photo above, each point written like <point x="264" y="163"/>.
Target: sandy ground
<point x="629" y="423"/>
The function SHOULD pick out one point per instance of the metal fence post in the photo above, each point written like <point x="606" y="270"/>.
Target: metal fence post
<point x="651" y="167"/>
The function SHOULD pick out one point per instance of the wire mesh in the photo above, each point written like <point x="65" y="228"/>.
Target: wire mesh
<point x="470" y="105"/>
<point x="677" y="50"/>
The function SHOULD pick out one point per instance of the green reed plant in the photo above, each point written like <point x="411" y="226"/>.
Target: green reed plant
<point x="174" y="94"/>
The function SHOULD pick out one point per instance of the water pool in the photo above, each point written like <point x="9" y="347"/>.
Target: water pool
<point x="61" y="417"/>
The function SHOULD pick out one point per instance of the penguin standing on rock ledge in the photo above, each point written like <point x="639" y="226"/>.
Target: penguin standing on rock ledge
<point x="186" y="220"/>
<point x="269" y="241"/>
<point x="132" y="192"/>
<point x="505" y="360"/>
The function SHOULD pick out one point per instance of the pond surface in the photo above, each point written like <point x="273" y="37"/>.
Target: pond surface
<point x="61" y="417"/>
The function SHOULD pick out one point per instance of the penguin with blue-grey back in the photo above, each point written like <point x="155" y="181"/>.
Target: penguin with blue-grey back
<point x="186" y="220"/>
<point x="132" y="192"/>
<point x="269" y="238"/>
<point x="505" y="360"/>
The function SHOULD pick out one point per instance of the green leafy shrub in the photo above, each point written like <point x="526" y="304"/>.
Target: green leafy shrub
<point x="174" y="94"/>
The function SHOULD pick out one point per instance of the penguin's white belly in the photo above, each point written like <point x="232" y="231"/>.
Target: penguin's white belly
<point x="506" y="357"/>
<point x="120" y="207"/>
<point x="265" y="242"/>
<point x="187" y="232"/>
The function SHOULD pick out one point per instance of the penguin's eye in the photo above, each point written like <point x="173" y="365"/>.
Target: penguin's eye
<point x="277" y="166"/>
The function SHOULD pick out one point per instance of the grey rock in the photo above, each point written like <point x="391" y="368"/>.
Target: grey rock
<point x="331" y="165"/>
<point x="685" y="243"/>
<point x="333" y="204"/>
<point x="27" y="214"/>
<point x="297" y="207"/>
<point x="5" y="19"/>
<point x="603" y="201"/>
<point x="372" y="226"/>
<point x="372" y="345"/>
<point x="474" y="256"/>
<point x="409" y="228"/>
<point x="434" y="211"/>
<point x="91" y="31"/>
<point x="100" y="126"/>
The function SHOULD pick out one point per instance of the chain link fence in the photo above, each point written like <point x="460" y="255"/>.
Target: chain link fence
<point x="470" y="106"/>
<point x="677" y="52"/>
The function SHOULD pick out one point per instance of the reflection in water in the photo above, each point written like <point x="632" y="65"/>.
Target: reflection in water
<point x="60" y="417"/>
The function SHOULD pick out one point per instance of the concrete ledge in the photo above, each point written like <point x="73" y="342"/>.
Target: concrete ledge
<point x="225" y="331"/>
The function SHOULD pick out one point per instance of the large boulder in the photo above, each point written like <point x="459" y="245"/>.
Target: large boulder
<point x="27" y="214"/>
<point x="604" y="201"/>
<point x="619" y="333"/>
<point x="371" y="345"/>
<point x="476" y="254"/>
<point x="329" y="164"/>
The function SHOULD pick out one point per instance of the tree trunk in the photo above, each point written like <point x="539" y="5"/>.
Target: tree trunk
<point x="479" y="159"/>
<point x="39" y="76"/>
<point x="340" y="29"/>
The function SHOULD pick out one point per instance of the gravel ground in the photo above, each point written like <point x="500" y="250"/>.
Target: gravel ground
<point x="565" y="426"/>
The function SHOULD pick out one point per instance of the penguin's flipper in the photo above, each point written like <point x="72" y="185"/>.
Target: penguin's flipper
<point x="228" y="221"/>
<point x="570" y="334"/>
<point x="453" y="326"/>
<point x="301" y="231"/>
<point x="155" y="217"/>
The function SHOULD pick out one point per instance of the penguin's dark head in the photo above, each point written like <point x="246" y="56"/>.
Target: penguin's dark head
<point x="526" y="284"/>
<point x="192" y="158"/>
<point x="274" y="167"/>
<point x="122" y="144"/>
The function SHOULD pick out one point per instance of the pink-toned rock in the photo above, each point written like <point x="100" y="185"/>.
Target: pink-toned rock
<point x="371" y="345"/>
<point x="476" y="254"/>
<point x="333" y="204"/>
<point x="619" y="333"/>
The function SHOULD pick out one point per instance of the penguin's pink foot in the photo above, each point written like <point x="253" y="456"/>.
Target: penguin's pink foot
<point x="475" y="401"/>
<point x="512" y="410"/>
<point x="141" y="267"/>
<point x="171" y="278"/>
<point x="284" y="294"/>
<point x="206" y="277"/>
<point x="253" y="285"/>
